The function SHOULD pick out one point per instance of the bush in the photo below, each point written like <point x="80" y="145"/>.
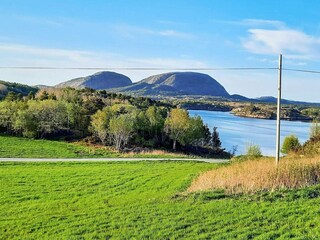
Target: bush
<point x="290" y="144"/>
<point x="312" y="146"/>
<point x="253" y="151"/>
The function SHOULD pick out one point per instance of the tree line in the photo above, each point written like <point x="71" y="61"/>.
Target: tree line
<point x="111" y="119"/>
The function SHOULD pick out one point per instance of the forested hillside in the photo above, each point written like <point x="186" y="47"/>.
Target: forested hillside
<point x="20" y="89"/>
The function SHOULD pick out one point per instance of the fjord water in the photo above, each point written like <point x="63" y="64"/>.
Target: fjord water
<point x="239" y="131"/>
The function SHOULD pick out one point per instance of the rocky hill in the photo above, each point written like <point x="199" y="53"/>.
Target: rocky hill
<point x="98" y="81"/>
<point x="177" y="83"/>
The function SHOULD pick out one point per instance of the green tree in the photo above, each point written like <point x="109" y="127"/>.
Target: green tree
<point x="69" y="95"/>
<point x="121" y="130"/>
<point x="35" y="118"/>
<point x="176" y="125"/>
<point x="195" y="132"/>
<point x="26" y="123"/>
<point x="8" y="113"/>
<point x="77" y="119"/>
<point x="50" y="115"/>
<point x="100" y="124"/>
<point x="156" y="117"/>
<point x="141" y="128"/>
<point x="123" y="109"/>
<point x="290" y="144"/>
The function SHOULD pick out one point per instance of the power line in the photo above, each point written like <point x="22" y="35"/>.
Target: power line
<point x="301" y="70"/>
<point x="161" y="68"/>
<point x="137" y="68"/>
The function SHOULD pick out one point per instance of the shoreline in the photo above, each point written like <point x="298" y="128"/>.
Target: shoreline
<point x="253" y="117"/>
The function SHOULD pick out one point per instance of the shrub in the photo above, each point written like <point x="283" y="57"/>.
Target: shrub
<point x="312" y="146"/>
<point x="290" y="144"/>
<point x="253" y="151"/>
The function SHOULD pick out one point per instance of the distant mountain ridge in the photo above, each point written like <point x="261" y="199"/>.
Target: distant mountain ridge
<point x="172" y="84"/>
<point x="98" y="81"/>
<point x="270" y="99"/>
<point x="177" y="83"/>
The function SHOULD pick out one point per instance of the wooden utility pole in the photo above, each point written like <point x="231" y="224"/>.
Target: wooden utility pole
<point x="279" y="110"/>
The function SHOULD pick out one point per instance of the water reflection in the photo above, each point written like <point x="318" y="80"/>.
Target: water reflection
<point x="241" y="131"/>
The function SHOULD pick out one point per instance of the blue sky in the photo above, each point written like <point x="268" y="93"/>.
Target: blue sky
<point x="168" y="34"/>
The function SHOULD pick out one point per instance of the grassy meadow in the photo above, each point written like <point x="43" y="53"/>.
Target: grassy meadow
<point x="143" y="200"/>
<point x="19" y="147"/>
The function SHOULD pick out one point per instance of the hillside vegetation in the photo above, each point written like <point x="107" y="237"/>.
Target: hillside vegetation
<point x="21" y="89"/>
<point x="123" y="122"/>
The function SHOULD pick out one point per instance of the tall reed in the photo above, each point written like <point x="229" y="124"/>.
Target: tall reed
<point x="260" y="175"/>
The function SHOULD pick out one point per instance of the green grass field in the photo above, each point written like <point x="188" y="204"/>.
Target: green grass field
<point x="11" y="147"/>
<point x="141" y="200"/>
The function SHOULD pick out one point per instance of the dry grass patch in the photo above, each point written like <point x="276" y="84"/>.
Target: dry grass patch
<point x="260" y="175"/>
<point x="156" y="153"/>
<point x="152" y="153"/>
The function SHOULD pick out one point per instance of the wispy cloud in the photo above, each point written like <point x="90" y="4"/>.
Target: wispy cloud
<point x="173" y="33"/>
<point x="25" y="55"/>
<point x="295" y="44"/>
<point x="40" y="20"/>
<point x="31" y="51"/>
<point x="251" y="22"/>
<point x="136" y="31"/>
<point x="262" y="22"/>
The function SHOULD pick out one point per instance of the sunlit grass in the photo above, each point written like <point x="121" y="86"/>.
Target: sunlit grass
<point x="142" y="200"/>
<point x="19" y="147"/>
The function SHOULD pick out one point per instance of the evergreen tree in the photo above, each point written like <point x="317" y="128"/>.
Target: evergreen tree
<point x="216" y="143"/>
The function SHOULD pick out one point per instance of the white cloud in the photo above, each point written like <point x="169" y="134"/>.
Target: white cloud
<point x="262" y="22"/>
<point x="31" y="56"/>
<point x="173" y="33"/>
<point x="73" y="55"/>
<point x="293" y="43"/>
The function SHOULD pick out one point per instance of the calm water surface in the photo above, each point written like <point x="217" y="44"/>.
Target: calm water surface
<point x="241" y="131"/>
